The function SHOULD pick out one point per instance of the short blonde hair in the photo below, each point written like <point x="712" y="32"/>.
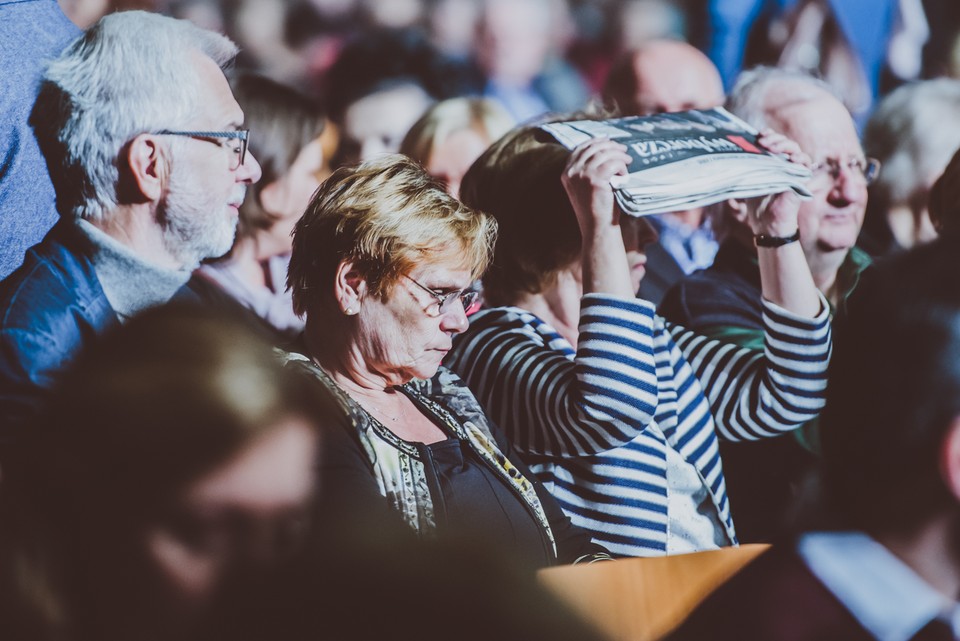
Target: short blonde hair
<point x="385" y="215"/>
<point x="481" y="115"/>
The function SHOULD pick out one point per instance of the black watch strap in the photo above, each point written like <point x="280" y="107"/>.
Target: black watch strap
<point x="762" y="240"/>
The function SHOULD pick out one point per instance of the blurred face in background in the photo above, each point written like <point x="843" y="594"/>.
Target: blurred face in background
<point x="672" y="76"/>
<point x="452" y="157"/>
<point x="514" y="40"/>
<point x="377" y="123"/>
<point x="84" y="13"/>
<point x="453" y="26"/>
<point x="395" y="14"/>
<point x="287" y="197"/>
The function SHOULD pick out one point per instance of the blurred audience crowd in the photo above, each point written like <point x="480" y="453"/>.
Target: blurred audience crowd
<point x="554" y="54"/>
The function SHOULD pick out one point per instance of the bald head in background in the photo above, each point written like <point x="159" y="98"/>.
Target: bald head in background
<point x="663" y="76"/>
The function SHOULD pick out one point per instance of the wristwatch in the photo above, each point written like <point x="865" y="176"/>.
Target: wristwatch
<point x="762" y="240"/>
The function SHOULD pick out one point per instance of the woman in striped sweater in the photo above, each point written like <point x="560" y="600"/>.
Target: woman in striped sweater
<point x="616" y="410"/>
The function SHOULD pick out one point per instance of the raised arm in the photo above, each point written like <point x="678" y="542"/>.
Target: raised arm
<point x="548" y="398"/>
<point x="752" y="394"/>
<point x="784" y="273"/>
<point x="586" y="179"/>
<point x="755" y="394"/>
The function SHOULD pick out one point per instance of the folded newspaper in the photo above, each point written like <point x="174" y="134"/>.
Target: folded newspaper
<point x="687" y="159"/>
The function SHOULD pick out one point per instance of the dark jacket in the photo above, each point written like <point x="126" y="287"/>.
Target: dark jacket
<point x="50" y="308"/>
<point x="775" y="598"/>
<point x="353" y="494"/>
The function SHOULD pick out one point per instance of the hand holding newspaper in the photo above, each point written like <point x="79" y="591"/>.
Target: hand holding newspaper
<point x="687" y="159"/>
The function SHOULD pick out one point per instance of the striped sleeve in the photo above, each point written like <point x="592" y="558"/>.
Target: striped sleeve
<point x="754" y="394"/>
<point x="551" y="402"/>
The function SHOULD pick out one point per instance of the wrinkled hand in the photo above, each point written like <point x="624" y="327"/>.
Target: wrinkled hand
<point x="586" y="180"/>
<point x="776" y="214"/>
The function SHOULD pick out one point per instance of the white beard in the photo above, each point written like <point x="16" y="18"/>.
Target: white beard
<point x="194" y="228"/>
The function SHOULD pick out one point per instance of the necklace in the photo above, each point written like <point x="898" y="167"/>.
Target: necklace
<point x="356" y="395"/>
<point x="382" y="414"/>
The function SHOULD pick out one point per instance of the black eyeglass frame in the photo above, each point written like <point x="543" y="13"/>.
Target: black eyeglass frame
<point x="467" y="297"/>
<point x="243" y="135"/>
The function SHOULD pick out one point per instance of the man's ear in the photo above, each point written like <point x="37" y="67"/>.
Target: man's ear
<point x="147" y="169"/>
<point x="349" y="287"/>
<point x="950" y="459"/>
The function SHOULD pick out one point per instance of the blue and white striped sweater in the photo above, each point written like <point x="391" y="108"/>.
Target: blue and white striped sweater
<point x="595" y="424"/>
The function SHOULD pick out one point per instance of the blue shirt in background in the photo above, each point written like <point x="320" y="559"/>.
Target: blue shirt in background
<point x="32" y="32"/>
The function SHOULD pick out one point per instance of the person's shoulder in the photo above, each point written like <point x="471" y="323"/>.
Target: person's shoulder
<point x="50" y="308"/>
<point x="774" y="598"/>
<point x="712" y="297"/>
<point x="494" y="321"/>
<point x="55" y="280"/>
<point x="502" y="315"/>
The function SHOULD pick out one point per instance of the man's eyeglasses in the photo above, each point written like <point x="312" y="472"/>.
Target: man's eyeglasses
<point x="467" y="297"/>
<point x="239" y="150"/>
<point x="866" y="168"/>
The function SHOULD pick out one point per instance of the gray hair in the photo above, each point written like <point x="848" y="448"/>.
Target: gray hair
<point x="748" y="98"/>
<point x="129" y="74"/>
<point x="913" y="133"/>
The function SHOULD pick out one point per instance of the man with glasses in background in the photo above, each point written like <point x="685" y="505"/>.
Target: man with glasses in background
<point x="148" y="159"/>
<point x="723" y="301"/>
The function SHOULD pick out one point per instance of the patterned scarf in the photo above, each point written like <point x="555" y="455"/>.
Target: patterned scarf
<point x="397" y="465"/>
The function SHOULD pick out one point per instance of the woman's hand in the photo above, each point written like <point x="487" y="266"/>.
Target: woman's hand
<point x="586" y="179"/>
<point x="776" y="214"/>
<point x="784" y="273"/>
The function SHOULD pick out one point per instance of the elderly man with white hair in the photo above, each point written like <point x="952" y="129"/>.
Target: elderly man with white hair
<point x="725" y="301"/>
<point x="147" y="151"/>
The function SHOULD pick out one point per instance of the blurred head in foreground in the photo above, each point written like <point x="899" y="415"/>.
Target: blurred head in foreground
<point x="176" y="453"/>
<point x="891" y="427"/>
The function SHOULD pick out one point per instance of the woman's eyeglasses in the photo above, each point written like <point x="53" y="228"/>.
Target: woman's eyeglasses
<point x="467" y="297"/>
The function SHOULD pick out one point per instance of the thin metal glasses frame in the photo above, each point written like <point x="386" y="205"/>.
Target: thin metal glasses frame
<point x="467" y="297"/>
